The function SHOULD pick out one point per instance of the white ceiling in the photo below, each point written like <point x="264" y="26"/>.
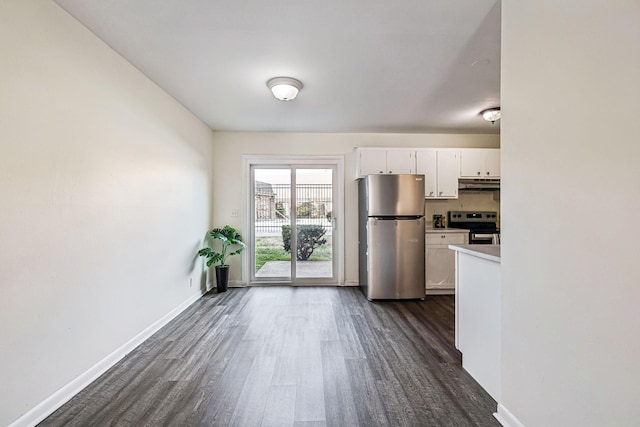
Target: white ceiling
<point x="366" y="65"/>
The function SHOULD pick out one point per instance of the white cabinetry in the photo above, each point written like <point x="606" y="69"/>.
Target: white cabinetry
<point x="440" y="260"/>
<point x="385" y="161"/>
<point x="480" y="163"/>
<point x="441" y="168"/>
<point x="427" y="165"/>
<point x="371" y="162"/>
<point x="401" y="161"/>
<point x="448" y="173"/>
<point x="478" y="319"/>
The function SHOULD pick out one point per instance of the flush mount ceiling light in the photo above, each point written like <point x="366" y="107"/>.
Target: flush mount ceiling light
<point x="491" y="115"/>
<point x="284" y="88"/>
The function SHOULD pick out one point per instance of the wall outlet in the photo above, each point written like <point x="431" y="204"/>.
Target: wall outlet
<point x="235" y="214"/>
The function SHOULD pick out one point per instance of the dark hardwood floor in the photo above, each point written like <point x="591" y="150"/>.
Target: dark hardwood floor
<point x="286" y="356"/>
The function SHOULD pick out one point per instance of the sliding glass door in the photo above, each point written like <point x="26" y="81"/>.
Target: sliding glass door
<point x="293" y="223"/>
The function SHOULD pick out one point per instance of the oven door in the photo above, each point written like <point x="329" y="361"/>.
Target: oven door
<point x="481" y="237"/>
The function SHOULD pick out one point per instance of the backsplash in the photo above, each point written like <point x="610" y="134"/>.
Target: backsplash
<point x="468" y="201"/>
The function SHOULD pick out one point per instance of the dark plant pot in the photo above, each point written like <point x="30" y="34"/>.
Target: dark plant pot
<point x="222" y="278"/>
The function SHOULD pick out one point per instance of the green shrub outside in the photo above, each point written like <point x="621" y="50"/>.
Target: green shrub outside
<point x="271" y="249"/>
<point x="309" y="237"/>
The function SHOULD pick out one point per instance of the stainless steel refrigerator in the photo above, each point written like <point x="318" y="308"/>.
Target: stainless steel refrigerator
<point x="391" y="236"/>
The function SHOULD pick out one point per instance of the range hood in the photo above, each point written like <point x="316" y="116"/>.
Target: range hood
<point x="479" y="184"/>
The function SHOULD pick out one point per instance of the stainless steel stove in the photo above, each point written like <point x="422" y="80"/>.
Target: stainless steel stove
<point x="482" y="225"/>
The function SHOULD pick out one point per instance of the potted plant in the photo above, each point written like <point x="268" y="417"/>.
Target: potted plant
<point x="230" y="244"/>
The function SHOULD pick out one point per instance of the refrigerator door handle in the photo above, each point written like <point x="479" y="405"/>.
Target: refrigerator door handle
<point x="397" y="218"/>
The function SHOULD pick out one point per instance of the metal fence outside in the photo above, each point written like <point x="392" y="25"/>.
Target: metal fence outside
<point x="314" y="203"/>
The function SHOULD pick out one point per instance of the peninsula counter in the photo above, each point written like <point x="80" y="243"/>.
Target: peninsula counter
<point x="478" y="282"/>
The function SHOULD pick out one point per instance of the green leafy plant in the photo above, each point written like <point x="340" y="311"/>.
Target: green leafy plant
<point x="230" y="244"/>
<point x="304" y="210"/>
<point x="309" y="237"/>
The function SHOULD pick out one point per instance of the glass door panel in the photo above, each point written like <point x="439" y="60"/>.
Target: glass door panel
<point x="271" y="220"/>
<point x="294" y="234"/>
<point x="314" y="222"/>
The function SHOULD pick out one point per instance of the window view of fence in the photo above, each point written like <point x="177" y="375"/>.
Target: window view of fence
<point x="272" y="223"/>
<point x="273" y="206"/>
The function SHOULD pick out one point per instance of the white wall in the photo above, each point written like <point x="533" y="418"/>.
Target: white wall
<point x="230" y="146"/>
<point x="105" y="183"/>
<point x="570" y="152"/>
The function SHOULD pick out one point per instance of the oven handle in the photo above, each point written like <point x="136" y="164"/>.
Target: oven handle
<point x="494" y="238"/>
<point x="482" y="235"/>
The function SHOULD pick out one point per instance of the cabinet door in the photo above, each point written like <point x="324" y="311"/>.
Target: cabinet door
<point x="492" y="163"/>
<point x="448" y="173"/>
<point x="472" y="163"/>
<point x="426" y="164"/>
<point x="371" y="162"/>
<point x="401" y="161"/>
<point x="440" y="269"/>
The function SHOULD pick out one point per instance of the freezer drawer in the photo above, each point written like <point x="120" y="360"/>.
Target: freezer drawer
<point x="395" y="259"/>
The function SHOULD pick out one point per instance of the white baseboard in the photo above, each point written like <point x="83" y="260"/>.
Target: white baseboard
<point x="241" y="284"/>
<point x="231" y="284"/>
<point x="351" y="283"/>
<point x="62" y="396"/>
<point x="440" y="292"/>
<point x="236" y="284"/>
<point x="506" y="418"/>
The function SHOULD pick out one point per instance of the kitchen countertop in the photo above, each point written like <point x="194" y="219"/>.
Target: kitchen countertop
<point x="488" y="252"/>
<point x="445" y="230"/>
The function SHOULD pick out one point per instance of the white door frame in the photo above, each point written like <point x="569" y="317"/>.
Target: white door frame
<point x="265" y="160"/>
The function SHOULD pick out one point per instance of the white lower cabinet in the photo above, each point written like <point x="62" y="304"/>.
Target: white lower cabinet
<point x="440" y="269"/>
<point x="478" y="320"/>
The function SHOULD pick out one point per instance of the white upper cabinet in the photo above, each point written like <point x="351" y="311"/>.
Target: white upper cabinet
<point x="471" y="163"/>
<point x="492" y="162"/>
<point x="401" y="161"/>
<point x="427" y="165"/>
<point x="371" y="162"/>
<point x="385" y="161"/>
<point x="480" y="163"/>
<point x="441" y="168"/>
<point x="448" y="173"/>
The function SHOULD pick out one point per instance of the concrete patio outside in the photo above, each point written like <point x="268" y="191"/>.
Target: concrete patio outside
<point x="303" y="269"/>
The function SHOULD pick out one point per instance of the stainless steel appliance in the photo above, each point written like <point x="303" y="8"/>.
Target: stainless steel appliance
<point x="479" y="184"/>
<point x="482" y="226"/>
<point x="391" y="236"/>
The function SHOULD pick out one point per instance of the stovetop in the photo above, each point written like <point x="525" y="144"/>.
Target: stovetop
<point x="473" y="220"/>
<point x="472" y="216"/>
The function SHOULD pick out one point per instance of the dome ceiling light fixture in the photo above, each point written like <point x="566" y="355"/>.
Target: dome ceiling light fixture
<point x="284" y="88"/>
<point x="491" y="114"/>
